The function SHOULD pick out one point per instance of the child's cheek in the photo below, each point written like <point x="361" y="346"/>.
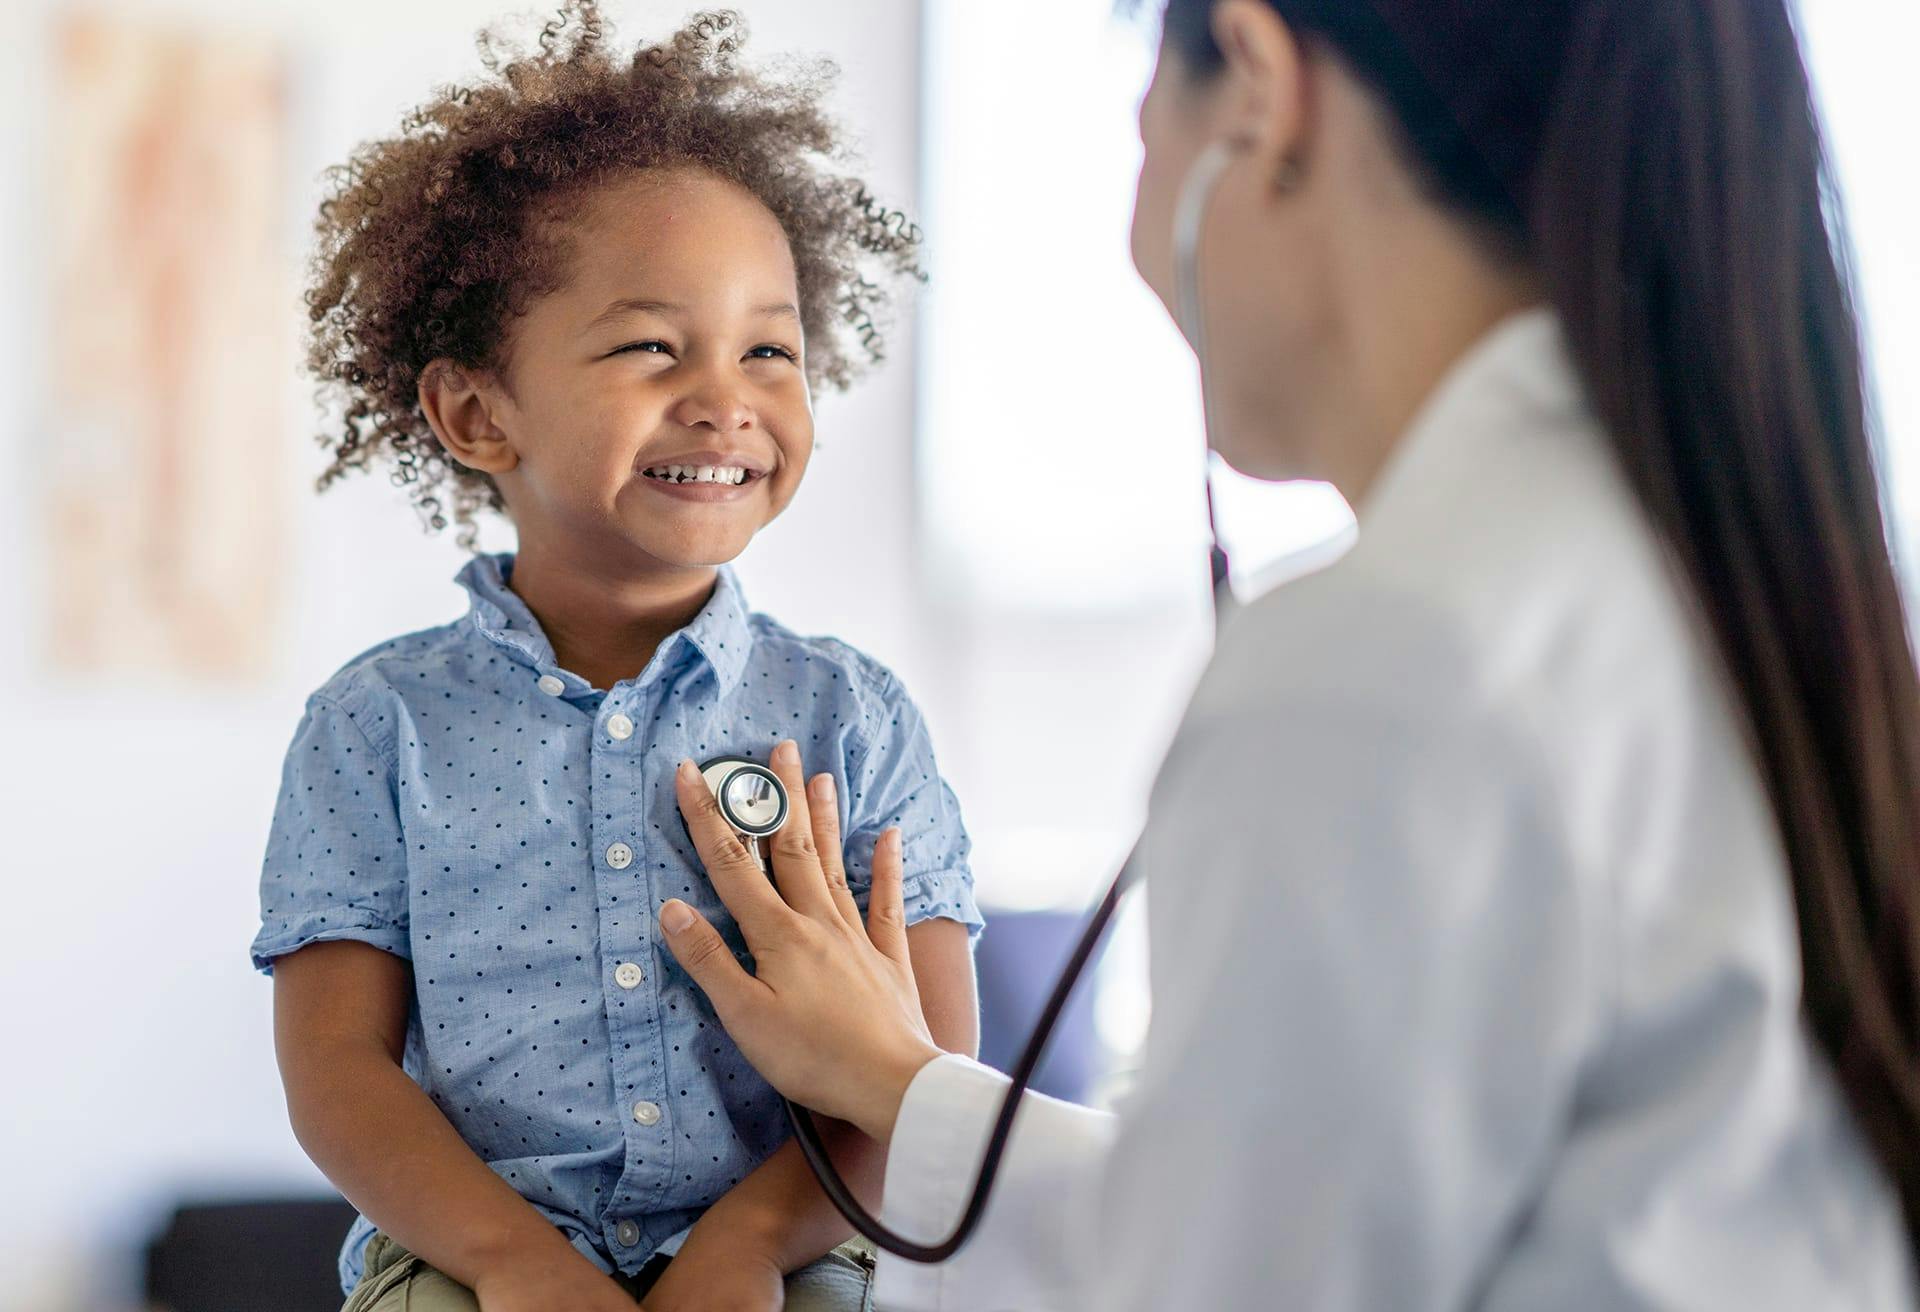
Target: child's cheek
<point x="785" y="484"/>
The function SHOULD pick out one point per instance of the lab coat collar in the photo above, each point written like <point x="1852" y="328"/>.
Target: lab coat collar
<point x="1519" y="376"/>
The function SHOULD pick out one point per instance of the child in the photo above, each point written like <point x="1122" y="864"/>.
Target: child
<point x="593" y="294"/>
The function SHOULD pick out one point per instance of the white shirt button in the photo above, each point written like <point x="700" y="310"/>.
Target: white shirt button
<point x="647" y="1113"/>
<point x="620" y="727"/>
<point x="551" y="686"/>
<point x="626" y="1234"/>
<point x="627" y="975"/>
<point x="619" y="856"/>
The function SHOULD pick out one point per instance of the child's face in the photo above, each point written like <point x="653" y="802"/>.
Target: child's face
<point x="675" y="343"/>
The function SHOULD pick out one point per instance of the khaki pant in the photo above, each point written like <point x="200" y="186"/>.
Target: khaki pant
<point x="397" y="1281"/>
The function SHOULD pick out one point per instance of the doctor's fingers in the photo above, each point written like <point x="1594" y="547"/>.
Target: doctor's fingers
<point x="886" y="902"/>
<point x="710" y="963"/>
<point x="825" y="806"/>
<point x="795" y="859"/>
<point x="731" y="869"/>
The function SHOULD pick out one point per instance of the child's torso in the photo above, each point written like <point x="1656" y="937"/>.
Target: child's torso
<point x="540" y="835"/>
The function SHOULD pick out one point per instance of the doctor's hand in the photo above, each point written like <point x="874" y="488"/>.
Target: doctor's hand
<point x="831" y="1018"/>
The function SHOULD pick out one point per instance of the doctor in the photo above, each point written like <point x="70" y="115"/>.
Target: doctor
<point x="1536" y="892"/>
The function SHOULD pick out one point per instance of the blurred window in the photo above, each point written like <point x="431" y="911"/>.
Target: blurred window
<point x="1859" y="52"/>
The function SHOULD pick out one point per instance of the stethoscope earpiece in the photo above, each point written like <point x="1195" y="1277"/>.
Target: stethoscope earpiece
<point x="1189" y="297"/>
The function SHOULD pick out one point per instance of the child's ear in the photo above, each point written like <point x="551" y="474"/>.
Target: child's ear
<point x="460" y="409"/>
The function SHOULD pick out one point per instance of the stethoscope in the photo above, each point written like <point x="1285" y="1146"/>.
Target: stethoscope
<point x="754" y="801"/>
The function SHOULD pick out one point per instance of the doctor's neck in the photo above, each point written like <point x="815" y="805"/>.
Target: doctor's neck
<point x="1403" y="289"/>
<point x="1399" y="326"/>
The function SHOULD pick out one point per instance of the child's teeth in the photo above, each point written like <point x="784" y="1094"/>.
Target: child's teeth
<point x="731" y="475"/>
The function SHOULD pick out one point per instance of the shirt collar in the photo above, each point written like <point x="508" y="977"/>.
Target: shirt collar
<point x="1516" y="379"/>
<point x="721" y="633"/>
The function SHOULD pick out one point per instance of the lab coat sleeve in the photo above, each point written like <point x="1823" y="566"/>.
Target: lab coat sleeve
<point x="1035" y="1235"/>
<point x="1373" y="985"/>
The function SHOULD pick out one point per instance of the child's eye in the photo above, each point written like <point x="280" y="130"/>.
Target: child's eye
<point x="651" y="348"/>
<point x="771" y="352"/>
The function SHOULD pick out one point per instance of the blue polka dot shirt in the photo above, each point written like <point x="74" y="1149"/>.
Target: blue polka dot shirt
<point x="457" y="799"/>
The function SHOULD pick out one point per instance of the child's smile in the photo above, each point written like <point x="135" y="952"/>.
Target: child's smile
<point x="704" y="476"/>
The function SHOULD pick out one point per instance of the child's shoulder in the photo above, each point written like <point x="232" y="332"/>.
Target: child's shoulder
<point x="412" y="664"/>
<point x="826" y="658"/>
<point x="832" y="667"/>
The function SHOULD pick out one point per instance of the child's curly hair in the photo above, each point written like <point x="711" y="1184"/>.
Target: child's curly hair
<point x="431" y="241"/>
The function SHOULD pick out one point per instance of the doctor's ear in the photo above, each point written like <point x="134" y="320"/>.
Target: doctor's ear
<point x="1267" y="103"/>
<point x="460" y="407"/>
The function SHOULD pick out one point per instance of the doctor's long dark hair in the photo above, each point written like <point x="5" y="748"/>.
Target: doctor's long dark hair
<point x="1660" y="163"/>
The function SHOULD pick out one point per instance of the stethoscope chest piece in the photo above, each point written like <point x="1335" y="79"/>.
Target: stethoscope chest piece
<point x="752" y="799"/>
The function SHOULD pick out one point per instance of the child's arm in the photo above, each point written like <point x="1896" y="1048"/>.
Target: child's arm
<point x="340" y="1021"/>
<point x="778" y="1219"/>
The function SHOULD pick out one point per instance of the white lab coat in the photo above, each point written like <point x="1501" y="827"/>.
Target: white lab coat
<point x="1475" y="973"/>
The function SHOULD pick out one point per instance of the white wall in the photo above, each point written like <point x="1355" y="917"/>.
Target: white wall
<point x="135" y="1038"/>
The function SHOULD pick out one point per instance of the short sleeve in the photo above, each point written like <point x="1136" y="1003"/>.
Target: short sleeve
<point x="894" y="781"/>
<point x="336" y="860"/>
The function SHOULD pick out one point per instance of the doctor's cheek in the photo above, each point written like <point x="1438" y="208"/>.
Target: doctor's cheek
<point x="1149" y="241"/>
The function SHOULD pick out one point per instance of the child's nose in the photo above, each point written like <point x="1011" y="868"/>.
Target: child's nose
<point x="714" y="406"/>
